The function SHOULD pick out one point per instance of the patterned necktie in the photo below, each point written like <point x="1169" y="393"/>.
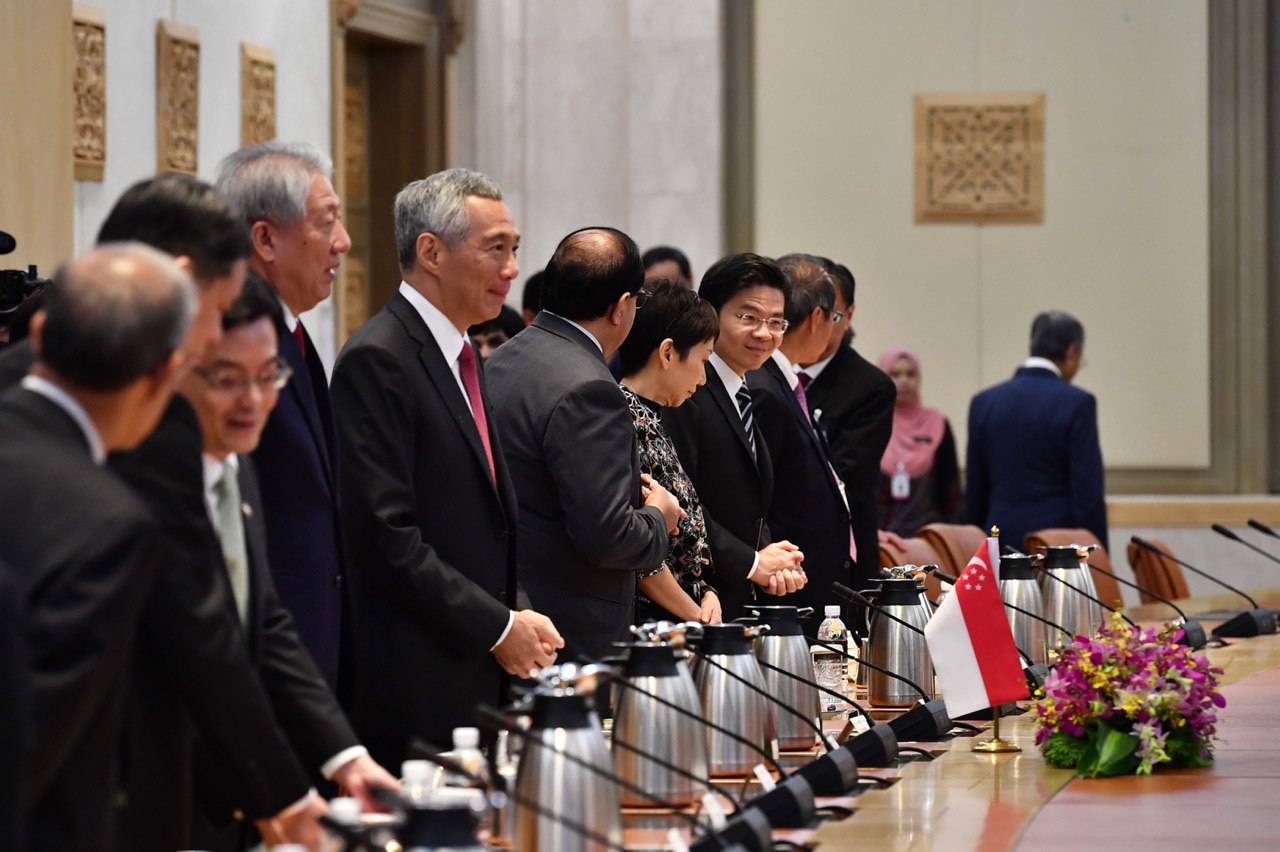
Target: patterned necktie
<point x="471" y="381"/>
<point x="231" y="534"/>
<point x="743" y="397"/>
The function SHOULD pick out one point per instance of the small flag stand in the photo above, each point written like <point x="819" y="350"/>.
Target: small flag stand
<point x="996" y="745"/>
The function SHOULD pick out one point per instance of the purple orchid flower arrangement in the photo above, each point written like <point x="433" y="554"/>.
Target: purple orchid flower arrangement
<point x="1127" y="700"/>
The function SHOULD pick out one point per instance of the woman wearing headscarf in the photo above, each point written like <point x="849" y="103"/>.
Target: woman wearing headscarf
<point x="919" y="474"/>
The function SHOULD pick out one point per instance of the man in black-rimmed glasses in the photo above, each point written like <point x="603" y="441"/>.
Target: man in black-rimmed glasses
<point x="720" y="448"/>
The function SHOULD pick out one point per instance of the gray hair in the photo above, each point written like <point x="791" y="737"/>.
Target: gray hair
<point x="812" y="286"/>
<point x="271" y="180"/>
<point x="115" y="314"/>
<point x="1053" y="333"/>
<point x="438" y="205"/>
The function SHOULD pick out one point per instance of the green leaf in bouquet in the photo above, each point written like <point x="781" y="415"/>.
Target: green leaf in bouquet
<point x="1184" y="750"/>
<point x="1064" y="750"/>
<point x="1110" y="752"/>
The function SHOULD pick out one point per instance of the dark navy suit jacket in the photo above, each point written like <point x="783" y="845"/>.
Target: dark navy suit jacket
<point x="1034" y="461"/>
<point x="296" y="462"/>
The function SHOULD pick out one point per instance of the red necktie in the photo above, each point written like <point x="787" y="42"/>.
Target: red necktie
<point x="300" y="336"/>
<point x="471" y="381"/>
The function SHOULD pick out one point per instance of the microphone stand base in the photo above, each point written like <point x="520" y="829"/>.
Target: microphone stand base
<point x="1251" y="622"/>
<point x="922" y="723"/>
<point x="1193" y="635"/>
<point x="995" y="745"/>
<point x="874" y="748"/>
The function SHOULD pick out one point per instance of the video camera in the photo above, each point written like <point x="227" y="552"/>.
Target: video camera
<point x="16" y="284"/>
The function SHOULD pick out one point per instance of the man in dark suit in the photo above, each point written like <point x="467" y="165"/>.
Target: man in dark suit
<point x="81" y="546"/>
<point x="1034" y="460"/>
<point x="725" y="456"/>
<point x="588" y="521"/>
<point x="808" y="506"/>
<point x="14" y="712"/>
<point x="233" y="389"/>
<point x="298" y="239"/>
<point x="189" y="665"/>
<point x="852" y="404"/>
<point x="429" y="511"/>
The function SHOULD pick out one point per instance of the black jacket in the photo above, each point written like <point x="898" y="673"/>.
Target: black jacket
<point x="852" y="402"/>
<point x="735" y="489"/>
<point x="430" y="535"/>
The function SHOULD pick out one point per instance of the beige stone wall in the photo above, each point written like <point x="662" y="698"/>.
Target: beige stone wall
<point x="1124" y="243"/>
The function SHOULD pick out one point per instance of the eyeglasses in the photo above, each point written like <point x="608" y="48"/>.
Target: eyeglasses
<point x="836" y="316"/>
<point x="641" y="296"/>
<point x="233" y="381"/>
<point x="751" y="321"/>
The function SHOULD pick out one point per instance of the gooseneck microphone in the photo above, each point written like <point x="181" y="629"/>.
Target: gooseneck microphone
<point x="1193" y="635"/>
<point x="773" y="699"/>
<point x="1263" y="528"/>
<point x="429" y="752"/>
<point x="929" y="719"/>
<point x="495" y="721"/>
<point x="1251" y="622"/>
<point x="719" y="729"/>
<point x="1083" y="593"/>
<point x="1226" y="533"/>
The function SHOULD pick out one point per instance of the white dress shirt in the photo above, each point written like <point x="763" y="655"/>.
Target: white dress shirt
<point x="788" y="369"/>
<point x="74" y="410"/>
<point x="450" y="340"/>
<point x="1043" y="364"/>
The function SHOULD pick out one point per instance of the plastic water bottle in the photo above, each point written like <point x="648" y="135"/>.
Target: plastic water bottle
<point x="417" y="780"/>
<point x="829" y="666"/>
<point x="466" y="753"/>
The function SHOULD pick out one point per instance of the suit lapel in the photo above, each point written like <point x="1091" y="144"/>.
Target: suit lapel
<point x="255" y="547"/>
<point x="730" y="410"/>
<point x="302" y="388"/>
<point x="804" y="419"/>
<point x="440" y="375"/>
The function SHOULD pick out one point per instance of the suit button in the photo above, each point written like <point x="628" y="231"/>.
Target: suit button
<point x="337" y="581"/>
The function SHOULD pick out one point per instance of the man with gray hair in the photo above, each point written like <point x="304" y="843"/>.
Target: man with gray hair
<point x="82" y="547"/>
<point x="428" y="507"/>
<point x="809" y="507"/>
<point x="295" y="222"/>
<point x="1034" y="460"/>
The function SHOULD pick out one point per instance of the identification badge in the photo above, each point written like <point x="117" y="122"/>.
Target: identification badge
<point x="900" y="484"/>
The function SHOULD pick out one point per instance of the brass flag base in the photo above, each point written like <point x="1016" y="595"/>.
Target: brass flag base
<point x="996" y="745"/>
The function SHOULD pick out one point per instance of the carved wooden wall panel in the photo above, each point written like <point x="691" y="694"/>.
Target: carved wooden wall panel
<point x="979" y="158"/>
<point x="89" y="142"/>
<point x="257" y="93"/>
<point x="177" y="97"/>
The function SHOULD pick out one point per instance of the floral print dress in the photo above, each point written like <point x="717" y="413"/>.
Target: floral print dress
<point x="689" y="556"/>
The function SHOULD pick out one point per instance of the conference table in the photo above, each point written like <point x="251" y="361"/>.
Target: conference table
<point x="965" y="800"/>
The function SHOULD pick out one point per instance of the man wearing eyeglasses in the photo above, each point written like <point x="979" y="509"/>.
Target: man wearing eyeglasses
<point x="715" y="435"/>
<point x="233" y="390"/>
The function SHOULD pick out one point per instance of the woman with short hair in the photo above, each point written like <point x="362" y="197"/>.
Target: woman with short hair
<point x="663" y="362"/>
